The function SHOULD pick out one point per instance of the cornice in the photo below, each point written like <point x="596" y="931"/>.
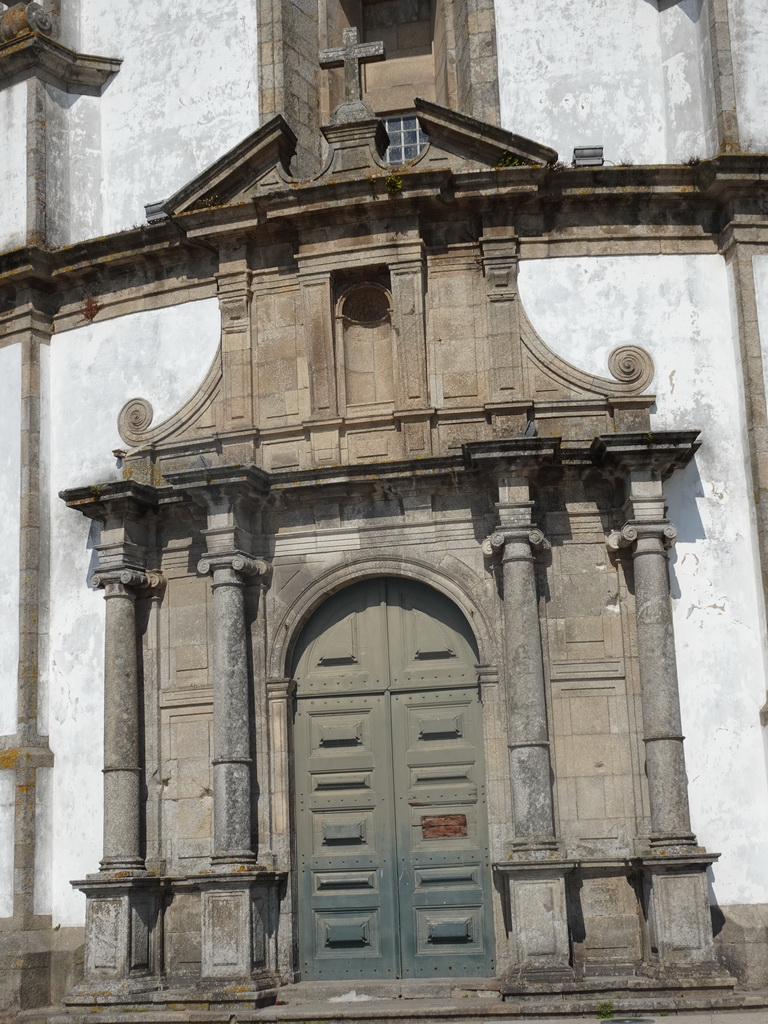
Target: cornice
<point x="660" y="451"/>
<point x="35" y="54"/>
<point x="610" y="210"/>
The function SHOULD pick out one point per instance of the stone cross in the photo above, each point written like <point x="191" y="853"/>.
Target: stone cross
<point x="350" y="56"/>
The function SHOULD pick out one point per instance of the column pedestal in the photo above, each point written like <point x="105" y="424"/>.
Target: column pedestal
<point x="123" y="936"/>
<point x="239" y="915"/>
<point x="538" y="918"/>
<point x="679" y="921"/>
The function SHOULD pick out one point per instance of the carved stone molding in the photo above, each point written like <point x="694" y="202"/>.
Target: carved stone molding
<point x="134" y="422"/>
<point x="631" y="364"/>
<point x="20" y="19"/>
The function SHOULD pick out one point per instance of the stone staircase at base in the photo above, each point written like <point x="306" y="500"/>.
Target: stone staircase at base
<point x="457" y="1001"/>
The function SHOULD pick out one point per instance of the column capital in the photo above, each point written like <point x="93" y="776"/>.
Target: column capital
<point x="637" y="530"/>
<point x="496" y="544"/>
<point x="129" y="577"/>
<point x="240" y="564"/>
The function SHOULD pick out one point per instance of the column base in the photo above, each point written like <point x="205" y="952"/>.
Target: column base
<point x="238" y="860"/>
<point x="534" y="848"/>
<point x="113" y="866"/>
<point x="673" y="841"/>
<point x="538" y="916"/>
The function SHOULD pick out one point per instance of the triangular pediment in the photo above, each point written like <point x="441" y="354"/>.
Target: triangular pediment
<point x="260" y="163"/>
<point x="456" y="143"/>
<point x="261" y="160"/>
<point x="477" y="144"/>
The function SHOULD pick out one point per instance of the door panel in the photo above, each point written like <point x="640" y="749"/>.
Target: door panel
<point x="444" y="885"/>
<point x="392" y="848"/>
<point x="347" y="914"/>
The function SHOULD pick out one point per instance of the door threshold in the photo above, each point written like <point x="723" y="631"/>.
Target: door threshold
<point x="361" y="990"/>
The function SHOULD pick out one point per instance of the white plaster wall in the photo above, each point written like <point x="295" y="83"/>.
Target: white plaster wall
<point x="13" y="165"/>
<point x="10" y="493"/>
<point x="748" y="23"/>
<point x="617" y="73"/>
<point x="7" y="833"/>
<point x="73" y="167"/>
<point x="677" y="307"/>
<point x="691" y="129"/>
<point x="161" y="355"/>
<point x="185" y="94"/>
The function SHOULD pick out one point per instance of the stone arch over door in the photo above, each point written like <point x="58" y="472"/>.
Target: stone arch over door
<point x="461" y="586"/>
<point x="393" y="866"/>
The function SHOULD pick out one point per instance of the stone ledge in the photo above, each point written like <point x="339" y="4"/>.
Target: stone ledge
<point x="426" y="1010"/>
<point x="35" y="54"/>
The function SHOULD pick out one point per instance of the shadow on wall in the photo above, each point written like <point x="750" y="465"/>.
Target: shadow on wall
<point x="683" y="491"/>
<point x="691" y="8"/>
<point x="94" y="538"/>
<point x="718" y="917"/>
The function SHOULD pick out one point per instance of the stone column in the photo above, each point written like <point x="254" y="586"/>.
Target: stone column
<point x="232" y="843"/>
<point x="649" y="540"/>
<point x="122" y="767"/>
<point x="530" y="771"/>
<point x="535" y="872"/>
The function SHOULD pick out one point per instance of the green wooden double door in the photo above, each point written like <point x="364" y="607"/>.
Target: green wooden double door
<point x="392" y="837"/>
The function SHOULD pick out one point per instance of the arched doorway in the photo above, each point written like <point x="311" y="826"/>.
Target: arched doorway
<point x="391" y="829"/>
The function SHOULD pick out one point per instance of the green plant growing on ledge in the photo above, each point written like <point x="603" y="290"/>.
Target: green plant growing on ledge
<point x="394" y="184"/>
<point x="604" y="1010"/>
<point x="508" y="159"/>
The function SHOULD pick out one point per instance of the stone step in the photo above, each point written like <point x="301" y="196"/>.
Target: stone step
<point x="350" y="1005"/>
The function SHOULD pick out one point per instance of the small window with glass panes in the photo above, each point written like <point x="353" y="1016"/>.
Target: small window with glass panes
<point x="406" y="139"/>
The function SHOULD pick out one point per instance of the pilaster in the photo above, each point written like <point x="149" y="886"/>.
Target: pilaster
<point x="24" y="937"/>
<point x="234" y="284"/>
<point x="499" y="251"/>
<point x="408" y="286"/>
<point x="317" y="308"/>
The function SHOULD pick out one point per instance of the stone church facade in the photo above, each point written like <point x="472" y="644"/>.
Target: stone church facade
<point x="388" y="600"/>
